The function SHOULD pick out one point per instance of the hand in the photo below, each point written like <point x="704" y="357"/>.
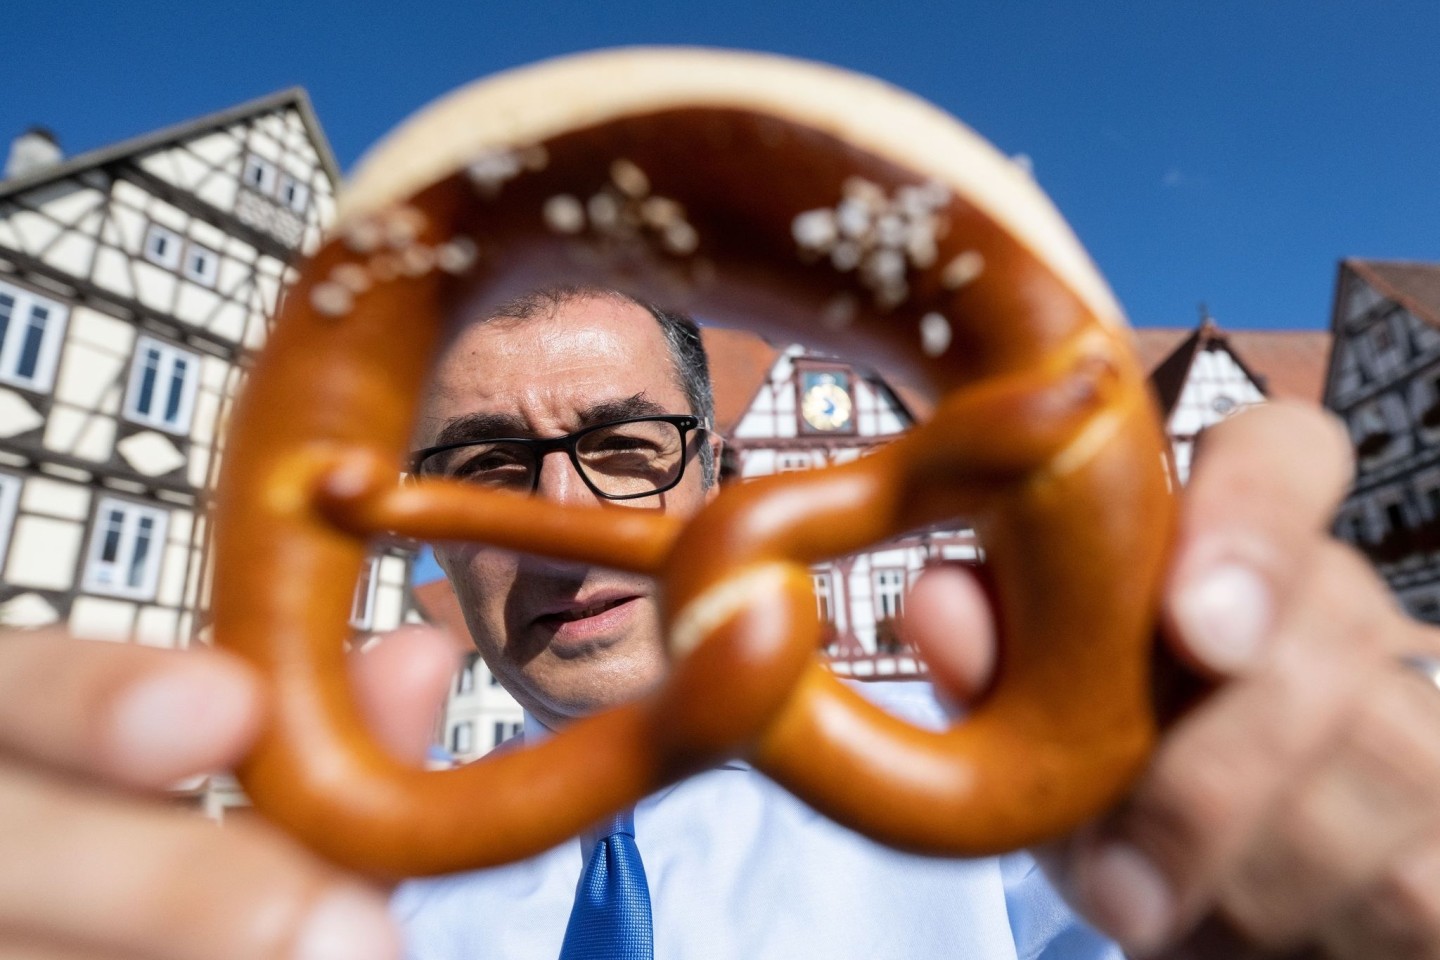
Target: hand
<point x="99" y="864"/>
<point x="1297" y="808"/>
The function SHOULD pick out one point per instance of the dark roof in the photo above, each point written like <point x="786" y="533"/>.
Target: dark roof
<point x="1283" y="363"/>
<point x="146" y="143"/>
<point x="1415" y="286"/>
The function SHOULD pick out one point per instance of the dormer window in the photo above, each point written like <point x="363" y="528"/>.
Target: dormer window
<point x="163" y="247"/>
<point x="293" y="193"/>
<point x="202" y="265"/>
<point x="166" y="248"/>
<point x="260" y="174"/>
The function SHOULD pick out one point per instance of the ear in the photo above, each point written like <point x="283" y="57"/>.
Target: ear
<point x="717" y="446"/>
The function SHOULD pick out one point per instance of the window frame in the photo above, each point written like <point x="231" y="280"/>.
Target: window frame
<point x="362" y="607"/>
<point x="268" y="170"/>
<point x="169" y="261"/>
<point x="13" y="337"/>
<point x="132" y="515"/>
<point x="878" y="576"/>
<point x="462" y="737"/>
<point x="205" y="277"/>
<point x="823" y="585"/>
<point x="301" y="198"/>
<point x="169" y="354"/>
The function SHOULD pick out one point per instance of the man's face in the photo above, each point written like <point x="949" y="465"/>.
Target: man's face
<point x="565" y="638"/>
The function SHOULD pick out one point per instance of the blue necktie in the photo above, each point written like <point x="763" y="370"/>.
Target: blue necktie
<point x="611" y="916"/>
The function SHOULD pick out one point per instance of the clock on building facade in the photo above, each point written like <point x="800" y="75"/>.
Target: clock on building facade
<point x="825" y="402"/>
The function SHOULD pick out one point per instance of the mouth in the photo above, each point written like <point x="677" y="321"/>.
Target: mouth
<point x="581" y="613"/>
<point x="574" y="629"/>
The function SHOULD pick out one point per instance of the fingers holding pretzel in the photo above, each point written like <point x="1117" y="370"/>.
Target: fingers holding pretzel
<point x="1297" y="807"/>
<point x="879" y="225"/>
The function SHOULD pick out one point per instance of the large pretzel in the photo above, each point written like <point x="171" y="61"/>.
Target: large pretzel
<point x="755" y="191"/>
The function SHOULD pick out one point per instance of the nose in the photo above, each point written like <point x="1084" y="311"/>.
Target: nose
<point x="560" y="482"/>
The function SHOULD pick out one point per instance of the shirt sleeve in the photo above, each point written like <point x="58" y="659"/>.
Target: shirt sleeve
<point x="1044" y="926"/>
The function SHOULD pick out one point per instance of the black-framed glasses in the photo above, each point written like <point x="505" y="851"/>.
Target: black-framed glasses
<point x="620" y="460"/>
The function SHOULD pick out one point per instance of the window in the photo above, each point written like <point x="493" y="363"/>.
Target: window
<point x="362" y="608"/>
<point x="30" y="331"/>
<point x="202" y="265"/>
<point x="259" y="174"/>
<point x="163" y="380"/>
<point x="504" y="731"/>
<point x="462" y="737"/>
<point x="824" y="596"/>
<point x="465" y="682"/>
<point x="126" y="547"/>
<point x="792" y="462"/>
<point x="293" y="193"/>
<point x="9" y="500"/>
<point x="889" y="593"/>
<point x="163" y="247"/>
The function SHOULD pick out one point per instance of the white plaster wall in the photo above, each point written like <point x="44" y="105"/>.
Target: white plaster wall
<point x="33" y="230"/>
<point x="195" y="303"/>
<point x="55" y="498"/>
<point x="102" y="618"/>
<point x="157" y="627"/>
<point x="81" y="433"/>
<point x="112" y="271"/>
<point x="156" y="287"/>
<point x="170" y="588"/>
<point x="71" y="254"/>
<point x="43" y="553"/>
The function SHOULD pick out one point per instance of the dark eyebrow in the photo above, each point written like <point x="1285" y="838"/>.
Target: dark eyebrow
<point x="488" y="426"/>
<point x="638" y="405"/>
<point x="479" y="426"/>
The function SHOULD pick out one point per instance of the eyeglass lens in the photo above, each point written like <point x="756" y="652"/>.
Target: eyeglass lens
<point x="623" y="459"/>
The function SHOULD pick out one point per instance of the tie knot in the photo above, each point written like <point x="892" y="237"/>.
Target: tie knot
<point x="621" y="822"/>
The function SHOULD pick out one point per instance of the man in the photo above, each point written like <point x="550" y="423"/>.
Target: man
<point x="1298" y="806"/>
<point x="727" y="848"/>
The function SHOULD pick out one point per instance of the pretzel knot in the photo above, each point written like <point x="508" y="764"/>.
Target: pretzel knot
<point x="759" y="192"/>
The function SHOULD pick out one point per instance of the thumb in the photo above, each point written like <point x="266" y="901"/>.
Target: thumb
<point x="948" y="619"/>
<point x="401" y="681"/>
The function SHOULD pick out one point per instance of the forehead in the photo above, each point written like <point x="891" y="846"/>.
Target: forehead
<point x="549" y="368"/>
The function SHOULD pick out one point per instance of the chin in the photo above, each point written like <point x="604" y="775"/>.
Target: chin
<point x="604" y="684"/>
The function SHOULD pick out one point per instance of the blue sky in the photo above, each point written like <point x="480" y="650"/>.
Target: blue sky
<point x="1205" y="150"/>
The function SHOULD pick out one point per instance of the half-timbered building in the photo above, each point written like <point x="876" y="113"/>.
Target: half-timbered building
<point x="136" y="282"/>
<point x="808" y="411"/>
<point x="1384" y="380"/>
<point x="1201" y="377"/>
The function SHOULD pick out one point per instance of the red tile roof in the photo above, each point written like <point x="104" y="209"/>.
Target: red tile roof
<point x="1287" y="363"/>
<point x="1415" y="286"/>
<point x="739" y="363"/>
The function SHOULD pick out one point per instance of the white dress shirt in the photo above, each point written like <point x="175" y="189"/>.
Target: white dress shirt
<point x="741" y="870"/>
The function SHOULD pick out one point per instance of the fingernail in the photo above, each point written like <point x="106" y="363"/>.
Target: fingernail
<point x="172" y="724"/>
<point x="1127" y="897"/>
<point x="1223" y="615"/>
<point x="348" y="924"/>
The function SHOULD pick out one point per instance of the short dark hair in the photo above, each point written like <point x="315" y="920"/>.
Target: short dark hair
<point x="682" y="338"/>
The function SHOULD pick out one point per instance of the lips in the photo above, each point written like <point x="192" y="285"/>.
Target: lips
<point x="583" y="612"/>
<point x="581" y="626"/>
